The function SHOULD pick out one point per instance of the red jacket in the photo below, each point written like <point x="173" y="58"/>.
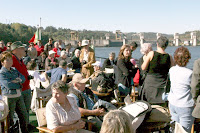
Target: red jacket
<point x="39" y="49"/>
<point x="3" y="49"/>
<point x="136" y="79"/>
<point x="55" y="50"/>
<point x="19" y="65"/>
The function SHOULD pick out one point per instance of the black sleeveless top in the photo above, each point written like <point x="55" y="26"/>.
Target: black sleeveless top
<point x="160" y="64"/>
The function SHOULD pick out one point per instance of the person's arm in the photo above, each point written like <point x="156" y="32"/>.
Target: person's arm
<point x="171" y="61"/>
<point x="20" y="76"/>
<point x="195" y="82"/>
<point x="121" y="65"/>
<point x="64" y="78"/>
<point x="7" y="82"/>
<point x="91" y="59"/>
<point x="63" y="128"/>
<point x="87" y="112"/>
<point x="148" y="58"/>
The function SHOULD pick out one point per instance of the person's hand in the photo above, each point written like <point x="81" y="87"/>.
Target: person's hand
<point x="17" y="80"/>
<point x="84" y="66"/>
<point x="80" y="124"/>
<point x="99" y="111"/>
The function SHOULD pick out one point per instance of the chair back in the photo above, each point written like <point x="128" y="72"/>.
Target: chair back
<point x="41" y="117"/>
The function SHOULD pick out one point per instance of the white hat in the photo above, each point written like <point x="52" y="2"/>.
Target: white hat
<point x="63" y="53"/>
<point x="97" y="63"/>
<point x="51" y="52"/>
<point x="85" y="43"/>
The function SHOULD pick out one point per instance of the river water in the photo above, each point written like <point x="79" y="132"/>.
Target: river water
<point x="104" y="52"/>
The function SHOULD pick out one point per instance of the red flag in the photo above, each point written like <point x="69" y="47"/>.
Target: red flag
<point x="32" y="39"/>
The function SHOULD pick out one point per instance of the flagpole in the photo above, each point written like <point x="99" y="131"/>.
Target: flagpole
<point x="40" y="29"/>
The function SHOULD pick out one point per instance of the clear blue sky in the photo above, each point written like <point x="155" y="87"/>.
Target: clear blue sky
<point x="164" y="16"/>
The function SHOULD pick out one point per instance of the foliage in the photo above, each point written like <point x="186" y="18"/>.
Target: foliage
<point x="16" y="31"/>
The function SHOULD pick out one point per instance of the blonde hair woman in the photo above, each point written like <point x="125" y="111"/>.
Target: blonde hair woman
<point x="116" y="121"/>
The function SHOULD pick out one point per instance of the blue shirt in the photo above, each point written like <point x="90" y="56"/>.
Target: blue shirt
<point x="56" y="74"/>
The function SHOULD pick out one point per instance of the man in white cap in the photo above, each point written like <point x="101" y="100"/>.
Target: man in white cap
<point x="97" y="69"/>
<point x="85" y="99"/>
<point x="87" y="57"/>
<point x="51" y="62"/>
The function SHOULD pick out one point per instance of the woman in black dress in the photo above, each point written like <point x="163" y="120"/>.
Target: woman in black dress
<point x="157" y="63"/>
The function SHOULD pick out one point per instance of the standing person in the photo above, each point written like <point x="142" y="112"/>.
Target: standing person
<point x="76" y="62"/>
<point x="39" y="47"/>
<point x="157" y="63"/>
<point x="11" y="80"/>
<point x="145" y="49"/>
<point x="195" y="88"/>
<point x="133" y="45"/>
<point x="87" y="57"/>
<point x="48" y="46"/>
<point x="51" y="62"/>
<point x="32" y="52"/>
<point x="18" y="51"/>
<point x="57" y="49"/>
<point x="126" y="70"/>
<point x="180" y="99"/>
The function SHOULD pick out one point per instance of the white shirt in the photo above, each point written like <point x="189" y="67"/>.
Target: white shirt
<point x="180" y="94"/>
<point x="56" y="115"/>
<point x="37" y="79"/>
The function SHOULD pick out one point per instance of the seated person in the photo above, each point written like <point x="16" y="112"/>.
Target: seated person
<point x="62" y="113"/>
<point x="116" y="121"/>
<point x="86" y="99"/>
<point x="108" y="63"/>
<point x="58" y="73"/>
<point x="76" y="61"/>
<point x="97" y="69"/>
<point x="51" y="62"/>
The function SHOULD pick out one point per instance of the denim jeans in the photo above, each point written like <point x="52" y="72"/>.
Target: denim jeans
<point x="27" y="100"/>
<point x="17" y="104"/>
<point x="182" y="115"/>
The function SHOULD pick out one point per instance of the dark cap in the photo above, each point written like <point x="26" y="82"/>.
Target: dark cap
<point x="62" y="63"/>
<point x="17" y="44"/>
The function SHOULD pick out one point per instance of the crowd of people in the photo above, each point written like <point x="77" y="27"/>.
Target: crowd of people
<point x="161" y="79"/>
